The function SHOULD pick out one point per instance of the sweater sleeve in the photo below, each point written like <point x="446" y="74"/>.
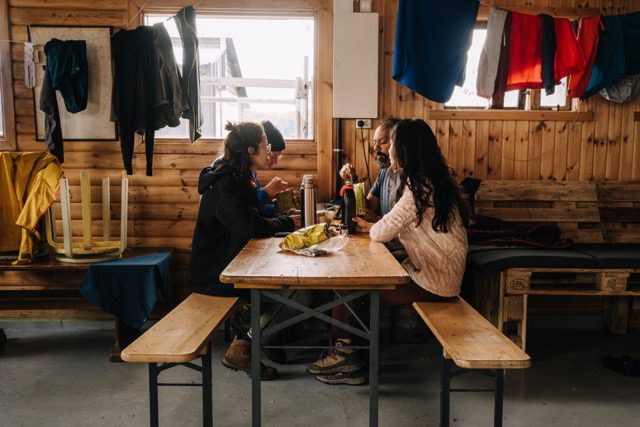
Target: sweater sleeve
<point x="244" y="219"/>
<point x="401" y="216"/>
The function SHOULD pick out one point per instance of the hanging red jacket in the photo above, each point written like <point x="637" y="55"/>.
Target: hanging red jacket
<point x="525" y="52"/>
<point x="569" y="57"/>
<point x="588" y="37"/>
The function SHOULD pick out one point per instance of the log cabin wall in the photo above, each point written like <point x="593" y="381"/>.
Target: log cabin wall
<point x="163" y="207"/>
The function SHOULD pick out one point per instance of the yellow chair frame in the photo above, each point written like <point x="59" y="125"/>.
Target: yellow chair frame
<point x="89" y="250"/>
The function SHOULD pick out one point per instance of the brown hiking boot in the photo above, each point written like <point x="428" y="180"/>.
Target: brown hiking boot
<point x="348" y="378"/>
<point x="238" y="358"/>
<point x="338" y="360"/>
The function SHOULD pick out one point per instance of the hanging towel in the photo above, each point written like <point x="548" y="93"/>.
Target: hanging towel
<point x="170" y="99"/>
<point x="525" y="52"/>
<point x="133" y="92"/>
<point x="569" y="57"/>
<point x="431" y="44"/>
<point x="631" y="43"/>
<point x="609" y="65"/>
<point x="588" y="36"/>
<point x="69" y="71"/>
<point x="548" y="54"/>
<point x="186" y="23"/>
<point x="497" y="101"/>
<point x="490" y="55"/>
<point x="29" y="66"/>
<point x="52" y="127"/>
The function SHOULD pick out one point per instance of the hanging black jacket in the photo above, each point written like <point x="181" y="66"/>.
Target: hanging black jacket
<point x="228" y="217"/>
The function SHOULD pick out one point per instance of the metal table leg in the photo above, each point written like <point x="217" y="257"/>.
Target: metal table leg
<point x="374" y="345"/>
<point x="255" y="358"/>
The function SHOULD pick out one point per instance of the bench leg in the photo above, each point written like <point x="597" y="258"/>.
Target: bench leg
<point x="153" y="394"/>
<point x="255" y="358"/>
<point x="445" y="380"/>
<point x="207" y="392"/>
<point x="497" y="412"/>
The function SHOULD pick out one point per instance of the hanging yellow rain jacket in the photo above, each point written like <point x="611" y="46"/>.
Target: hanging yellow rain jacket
<point x="28" y="186"/>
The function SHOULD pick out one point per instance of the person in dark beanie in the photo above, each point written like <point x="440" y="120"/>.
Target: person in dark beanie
<point x="276" y="185"/>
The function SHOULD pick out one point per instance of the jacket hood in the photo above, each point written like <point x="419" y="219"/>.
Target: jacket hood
<point x="211" y="174"/>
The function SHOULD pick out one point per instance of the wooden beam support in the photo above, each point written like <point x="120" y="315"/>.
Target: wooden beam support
<point x="568" y="116"/>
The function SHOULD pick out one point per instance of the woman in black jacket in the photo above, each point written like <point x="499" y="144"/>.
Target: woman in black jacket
<point x="228" y="217"/>
<point x="229" y="214"/>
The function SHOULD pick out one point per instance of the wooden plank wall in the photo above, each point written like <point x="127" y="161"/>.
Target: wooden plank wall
<point x="606" y="148"/>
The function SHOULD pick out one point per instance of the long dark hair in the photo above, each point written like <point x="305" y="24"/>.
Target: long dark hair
<point x="240" y="138"/>
<point x="427" y="174"/>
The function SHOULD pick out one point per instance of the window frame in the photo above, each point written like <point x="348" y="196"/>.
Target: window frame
<point x="239" y="11"/>
<point x="8" y="138"/>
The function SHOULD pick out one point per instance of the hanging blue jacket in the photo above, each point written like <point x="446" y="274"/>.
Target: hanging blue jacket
<point x="609" y="65"/>
<point x="432" y="40"/>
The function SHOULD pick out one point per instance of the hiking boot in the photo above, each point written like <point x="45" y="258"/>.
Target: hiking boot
<point x="338" y="360"/>
<point x="346" y="378"/>
<point x="238" y="358"/>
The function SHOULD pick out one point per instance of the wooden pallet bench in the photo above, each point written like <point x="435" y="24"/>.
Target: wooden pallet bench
<point x="603" y="221"/>
<point x="472" y="343"/>
<point x="178" y="338"/>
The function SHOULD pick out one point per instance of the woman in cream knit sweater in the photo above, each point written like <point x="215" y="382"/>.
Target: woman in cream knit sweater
<point x="429" y="217"/>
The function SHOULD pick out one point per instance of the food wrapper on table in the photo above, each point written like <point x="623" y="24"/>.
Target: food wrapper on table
<point x="314" y="240"/>
<point x="303" y="238"/>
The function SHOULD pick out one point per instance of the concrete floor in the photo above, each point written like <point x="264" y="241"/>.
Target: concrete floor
<point x="64" y="378"/>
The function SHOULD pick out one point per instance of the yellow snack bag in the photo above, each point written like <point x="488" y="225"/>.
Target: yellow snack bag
<point x="284" y="201"/>
<point x="305" y="237"/>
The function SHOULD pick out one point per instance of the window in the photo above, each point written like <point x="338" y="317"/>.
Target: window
<point x="251" y="68"/>
<point x="7" y="124"/>
<point x="466" y="97"/>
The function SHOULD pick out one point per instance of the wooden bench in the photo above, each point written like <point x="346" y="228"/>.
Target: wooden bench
<point x="472" y="343"/>
<point x="181" y="336"/>
<point x="602" y="219"/>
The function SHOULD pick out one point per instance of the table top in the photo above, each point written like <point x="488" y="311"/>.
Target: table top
<point x="361" y="264"/>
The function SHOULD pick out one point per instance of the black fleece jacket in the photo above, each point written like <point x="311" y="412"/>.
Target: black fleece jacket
<point x="228" y="217"/>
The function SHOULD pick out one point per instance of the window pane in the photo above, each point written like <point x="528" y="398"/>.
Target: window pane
<point x="252" y="69"/>
<point x="465" y="96"/>
<point x="511" y="99"/>
<point x="559" y="97"/>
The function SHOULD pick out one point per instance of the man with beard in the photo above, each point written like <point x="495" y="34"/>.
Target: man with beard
<point x="343" y="365"/>
<point x="382" y="195"/>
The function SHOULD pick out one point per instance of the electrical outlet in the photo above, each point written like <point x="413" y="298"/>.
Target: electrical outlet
<point x="363" y="123"/>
